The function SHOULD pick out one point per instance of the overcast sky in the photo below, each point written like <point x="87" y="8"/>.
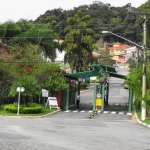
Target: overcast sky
<point x="31" y="9"/>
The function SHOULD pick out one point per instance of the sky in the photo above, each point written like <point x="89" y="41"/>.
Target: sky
<point x="32" y="9"/>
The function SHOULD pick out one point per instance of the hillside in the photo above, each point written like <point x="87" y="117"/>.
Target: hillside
<point x="103" y="17"/>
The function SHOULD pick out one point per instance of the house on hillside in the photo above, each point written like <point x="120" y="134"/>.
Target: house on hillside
<point x="118" y="52"/>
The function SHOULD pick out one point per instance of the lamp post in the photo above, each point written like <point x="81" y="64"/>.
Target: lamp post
<point x="19" y="90"/>
<point x="143" y="113"/>
<point x="143" y="116"/>
<point x="106" y="32"/>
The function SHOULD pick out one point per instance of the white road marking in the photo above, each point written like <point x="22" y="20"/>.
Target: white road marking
<point x="75" y="111"/>
<point x="104" y="112"/>
<point x="121" y="113"/>
<point x="90" y="111"/>
<point x="113" y="112"/>
<point x="82" y="111"/>
<point x="67" y="111"/>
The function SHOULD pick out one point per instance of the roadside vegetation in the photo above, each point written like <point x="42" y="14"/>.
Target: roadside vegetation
<point x="134" y="81"/>
<point x="44" y="111"/>
<point x="26" y="45"/>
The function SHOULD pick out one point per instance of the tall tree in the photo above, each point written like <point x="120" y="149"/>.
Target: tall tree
<point x="79" y="42"/>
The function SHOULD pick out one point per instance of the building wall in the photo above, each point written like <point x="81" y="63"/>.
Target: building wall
<point x="118" y="52"/>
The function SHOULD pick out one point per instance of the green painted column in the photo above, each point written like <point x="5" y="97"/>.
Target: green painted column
<point x="67" y="99"/>
<point x="94" y="100"/>
<point x="130" y="100"/>
<point x="103" y="96"/>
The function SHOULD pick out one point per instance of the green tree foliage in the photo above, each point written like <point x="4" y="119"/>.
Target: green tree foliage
<point x="29" y="83"/>
<point x="116" y="20"/>
<point x="101" y="19"/>
<point x="9" y="30"/>
<point x="134" y="80"/>
<point x="50" y="77"/>
<point x="24" y="32"/>
<point x="140" y="20"/>
<point x="31" y="74"/>
<point x="79" y="42"/>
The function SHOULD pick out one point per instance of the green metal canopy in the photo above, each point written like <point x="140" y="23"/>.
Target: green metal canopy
<point x="101" y="68"/>
<point x="81" y="74"/>
<point x="95" y="70"/>
<point x="117" y="75"/>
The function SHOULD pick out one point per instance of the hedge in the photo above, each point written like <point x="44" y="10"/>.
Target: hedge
<point x="31" y="109"/>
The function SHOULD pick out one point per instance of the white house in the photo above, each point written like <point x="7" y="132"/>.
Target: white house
<point x="59" y="56"/>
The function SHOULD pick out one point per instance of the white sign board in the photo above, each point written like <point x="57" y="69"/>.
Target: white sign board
<point x="45" y="93"/>
<point x="52" y="102"/>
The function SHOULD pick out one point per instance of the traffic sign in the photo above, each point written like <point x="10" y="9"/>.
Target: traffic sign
<point x="98" y="95"/>
<point x="98" y="102"/>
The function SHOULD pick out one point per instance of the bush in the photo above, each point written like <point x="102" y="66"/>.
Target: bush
<point x="83" y="85"/>
<point x="32" y="104"/>
<point x="33" y="108"/>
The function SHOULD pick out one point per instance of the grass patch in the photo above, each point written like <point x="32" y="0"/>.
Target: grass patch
<point x="43" y="112"/>
<point x="147" y="121"/>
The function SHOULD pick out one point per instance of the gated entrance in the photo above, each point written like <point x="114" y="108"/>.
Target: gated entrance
<point x="102" y="87"/>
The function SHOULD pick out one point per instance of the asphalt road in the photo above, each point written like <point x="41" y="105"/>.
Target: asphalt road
<point x="73" y="130"/>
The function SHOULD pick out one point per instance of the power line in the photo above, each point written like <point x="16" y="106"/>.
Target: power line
<point x="49" y="37"/>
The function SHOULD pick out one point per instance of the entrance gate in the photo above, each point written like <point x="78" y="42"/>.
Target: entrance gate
<point x="103" y="87"/>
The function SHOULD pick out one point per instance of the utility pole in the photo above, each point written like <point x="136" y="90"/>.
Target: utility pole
<point x="143" y="113"/>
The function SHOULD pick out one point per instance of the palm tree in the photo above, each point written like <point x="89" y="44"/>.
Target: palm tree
<point x="31" y="88"/>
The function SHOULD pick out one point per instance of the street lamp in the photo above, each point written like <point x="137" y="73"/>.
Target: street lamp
<point x="143" y="113"/>
<point x="19" y="90"/>
<point x="143" y="116"/>
<point x="106" y="32"/>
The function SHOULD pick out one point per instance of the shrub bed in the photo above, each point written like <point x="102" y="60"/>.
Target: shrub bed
<point x="31" y="109"/>
<point x="83" y="85"/>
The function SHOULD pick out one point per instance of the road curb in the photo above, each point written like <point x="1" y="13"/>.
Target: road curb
<point x="87" y="89"/>
<point x="129" y="114"/>
<point x="42" y="116"/>
<point x="140" y="122"/>
<point x="32" y="116"/>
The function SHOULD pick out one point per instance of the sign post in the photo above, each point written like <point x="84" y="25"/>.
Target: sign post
<point x="45" y="94"/>
<point x="98" y="102"/>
